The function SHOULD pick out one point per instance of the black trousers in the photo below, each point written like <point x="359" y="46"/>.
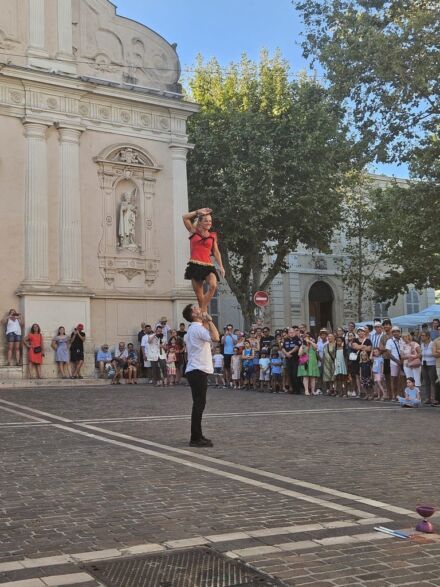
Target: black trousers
<point x="198" y="381"/>
<point x="292" y="371"/>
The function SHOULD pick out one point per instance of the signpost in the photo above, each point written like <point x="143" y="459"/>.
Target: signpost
<point x="261" y="299"/>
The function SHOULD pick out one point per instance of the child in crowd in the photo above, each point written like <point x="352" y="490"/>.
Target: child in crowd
<point x="340" y="367"/>
<point x="365" y="374"/>
<point x="171" y="361"/>
<point x="412" y="395"/>
<point x="264" y="365"/>
<point x="236" y="368"/>
<point x="247" y="356"/>
<point x="276" y="364"/>
<point x="218" y="363"/>
<point x="378" y="376"/>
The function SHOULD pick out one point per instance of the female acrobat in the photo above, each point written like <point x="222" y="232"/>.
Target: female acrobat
<point x="203" y="245"/>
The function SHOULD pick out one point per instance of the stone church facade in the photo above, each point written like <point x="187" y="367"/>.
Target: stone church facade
<point x="92" y="171"/>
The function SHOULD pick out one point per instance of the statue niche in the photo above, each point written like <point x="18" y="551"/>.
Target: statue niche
<point x="127" y="221"/>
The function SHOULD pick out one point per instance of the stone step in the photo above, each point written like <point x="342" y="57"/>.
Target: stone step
<point x="87" y="381"/>
<point x="11" y="373"/>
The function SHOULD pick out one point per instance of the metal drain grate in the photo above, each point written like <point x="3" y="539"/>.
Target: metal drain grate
<point x="199" y="567"/>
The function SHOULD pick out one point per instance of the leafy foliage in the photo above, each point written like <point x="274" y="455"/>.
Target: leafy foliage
<point x="271" y="159"/>
<point x="382" y="57"/>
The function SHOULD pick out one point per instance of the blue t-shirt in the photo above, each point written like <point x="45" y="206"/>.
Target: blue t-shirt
<point x="105" y="356"/>
<point x="377" y="364"/>
<point x="229" y="341"/>
<point x="276" y="364"/>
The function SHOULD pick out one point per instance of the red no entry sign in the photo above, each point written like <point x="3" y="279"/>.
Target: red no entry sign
<point x="261" y="298"/>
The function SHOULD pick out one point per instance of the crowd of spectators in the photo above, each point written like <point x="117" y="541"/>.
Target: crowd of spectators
<point x="374" y="362"/>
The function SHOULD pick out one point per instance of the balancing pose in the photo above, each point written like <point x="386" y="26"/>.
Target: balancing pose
<point x="203" y="244"/>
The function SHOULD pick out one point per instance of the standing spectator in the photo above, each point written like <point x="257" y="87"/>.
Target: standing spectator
<point x="266" y="340"/>
<point x="436" y="353"/>
<point x="434" y="329"/>
<point x="35" y="344"/>
<point x="236" y="368"/>
<point x="394" y="346"/>
<point x="353" y="378"/>
<point x="411" y="355"/>
<point x="264" y="367"/>
<point x="141" y="332"/>
<point x="201" y="333"/>
<point x="247" y="364"/>
<point x="255" y="346"/>
<point x="365" y="374"/>
<point x="429" y="371"/>
<point x="180" y="358"/>
<point x="378" y="378"/>
<point x="166" y="329"/>
<point x="171" y="358"/>
<point x="60" y="344"/>
<point x="77" y="339"/>
<point x="276" y="364"/>
<point x="351" y="330"/>
<point x="320" y="344"/>
<point x="377" y="336"/>
<point x="131" y="365"/>
<point x="144" y="352"/>
<point x="217" y="362"/>
<point x="328" y="373"/>
<point x="181" y="332"/>
<point x="359" y="344"/>
<point x="290" y="350"/>
<point x="308" y="368"/>
<point x="13" y="323"/>
<point x="341" y="370"/>
<point x="228" y="341"/>
<point x="156" y="355"/>
<point x="104" y="360"/>
<point x="387" y="326"/>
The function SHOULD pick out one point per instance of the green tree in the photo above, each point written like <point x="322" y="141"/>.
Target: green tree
<point x="382" y="57"/>
<point x="271" y="158"/>
<point x="359" y="259"/>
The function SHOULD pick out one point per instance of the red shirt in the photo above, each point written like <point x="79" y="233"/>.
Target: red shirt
<point x="201" y="247"/>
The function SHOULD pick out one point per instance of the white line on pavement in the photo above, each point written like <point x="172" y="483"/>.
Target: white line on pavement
<point x="273" y="476"/>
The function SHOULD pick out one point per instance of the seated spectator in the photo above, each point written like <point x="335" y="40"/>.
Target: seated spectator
<point x="119" y="362"/>
<point x="13" y="323"/>
<point x="412" y="395"/>
<point x="104" y="361"/>
<point x="131" y="364"/>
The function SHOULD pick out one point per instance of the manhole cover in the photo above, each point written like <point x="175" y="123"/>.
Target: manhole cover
<point x="198" y="567"/>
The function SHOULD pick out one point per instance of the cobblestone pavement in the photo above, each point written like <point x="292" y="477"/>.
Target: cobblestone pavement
<point x="294" y="485"/>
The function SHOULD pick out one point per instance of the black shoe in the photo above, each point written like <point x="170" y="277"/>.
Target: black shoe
<point x="203" y="442"/>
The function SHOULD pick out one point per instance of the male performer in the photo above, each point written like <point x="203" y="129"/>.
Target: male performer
<point x="198" y="339"/>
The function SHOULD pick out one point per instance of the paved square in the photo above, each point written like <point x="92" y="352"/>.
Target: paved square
<point x="293" y="485"/>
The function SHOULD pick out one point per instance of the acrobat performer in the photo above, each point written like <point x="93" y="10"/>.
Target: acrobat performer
<point x="203" y="244"/>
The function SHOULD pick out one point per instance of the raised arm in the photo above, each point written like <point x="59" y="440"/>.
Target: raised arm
<point x="189" y="217"/>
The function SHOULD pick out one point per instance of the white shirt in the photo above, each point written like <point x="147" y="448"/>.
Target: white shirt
<point x="427" y="356"/>
<point x="198" y="347"/>
<point x="13" y="326"/>
<point x="395" y="347"/>
<point x="218" y="360"/>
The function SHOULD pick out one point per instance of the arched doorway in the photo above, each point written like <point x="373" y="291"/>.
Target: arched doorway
<point x="321" y="299"/>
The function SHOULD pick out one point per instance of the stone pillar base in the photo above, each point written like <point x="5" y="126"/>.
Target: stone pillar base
<point x="51" y="310"/>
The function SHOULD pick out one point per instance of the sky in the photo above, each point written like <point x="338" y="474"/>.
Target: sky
<point x="225" y="29"/>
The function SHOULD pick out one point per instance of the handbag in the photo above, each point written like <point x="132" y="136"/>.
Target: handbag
<point x="352" y="356"/>
<point x="303" y="359"/>
<point x="37" y="350"/>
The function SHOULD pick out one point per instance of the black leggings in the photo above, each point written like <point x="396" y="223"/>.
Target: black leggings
<point x="198" y="381"/>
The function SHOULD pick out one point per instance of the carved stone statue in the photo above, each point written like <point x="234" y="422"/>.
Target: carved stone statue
<point x="127" y="221"/>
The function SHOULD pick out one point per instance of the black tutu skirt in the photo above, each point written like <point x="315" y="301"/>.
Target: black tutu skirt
<point x="199" y="272"/>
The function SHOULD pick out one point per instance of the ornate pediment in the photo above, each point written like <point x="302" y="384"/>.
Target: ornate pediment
<point x="128" y="156"/>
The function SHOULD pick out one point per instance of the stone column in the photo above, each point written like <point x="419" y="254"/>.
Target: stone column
<point x="64" y="29"/>
<point x="70" y="209"/>
<point x="180" y="206"/>
<point x="37" y="41"/>
<point x="36" y="205"/>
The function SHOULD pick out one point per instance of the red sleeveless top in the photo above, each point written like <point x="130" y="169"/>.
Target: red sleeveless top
<point x="201" y="248"/>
